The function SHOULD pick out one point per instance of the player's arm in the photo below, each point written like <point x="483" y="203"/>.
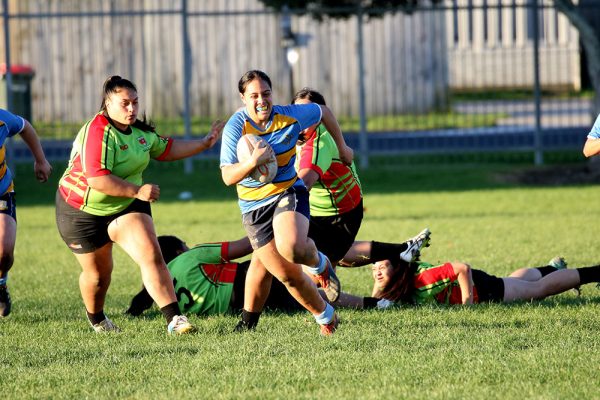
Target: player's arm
<point x="463" y="274"/>
<point x="309" y="177"/>
<point x="591" y="147"/>
<point x="234" y="173"/>
<point x="112" y="185"/>
<point x="41" y="166"/>
<point x="328" y="119"/>
<point x="181" y="148"/>
<point x="239" y="248"/>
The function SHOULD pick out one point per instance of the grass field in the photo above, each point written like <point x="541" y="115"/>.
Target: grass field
<point x="541" y="350"/>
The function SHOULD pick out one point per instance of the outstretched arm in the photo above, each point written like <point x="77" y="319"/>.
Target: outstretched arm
<point x="239" y="248"/>
<point x="181" y="148"/>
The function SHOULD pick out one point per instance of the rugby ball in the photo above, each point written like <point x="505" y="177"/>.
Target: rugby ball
<point x="264" y="173"/>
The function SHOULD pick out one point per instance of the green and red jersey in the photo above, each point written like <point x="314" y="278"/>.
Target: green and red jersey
<point x="203" y="279"/>
<point x="101" y="149"/>
<point x="338" y="189"/>
<point x="438" y="284"/>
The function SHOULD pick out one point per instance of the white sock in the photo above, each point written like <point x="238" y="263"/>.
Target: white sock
<point x="326" y="316"/>
<point x="320" y="267"/>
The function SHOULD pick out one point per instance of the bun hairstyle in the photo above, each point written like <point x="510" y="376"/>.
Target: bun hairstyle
<point x="114" y="84"/>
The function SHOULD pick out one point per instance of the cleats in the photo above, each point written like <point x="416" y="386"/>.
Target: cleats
<point x="105" y="326"/>
<point x="180" y="325"/>
<point x="5" y="303"/>
<point x="329" y="282"/>
<point x="558" y="263"/>
<point x="330" y="328"/>
<point x="415" y="245"/>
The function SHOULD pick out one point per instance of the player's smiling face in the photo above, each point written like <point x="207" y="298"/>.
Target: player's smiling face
<point x="258" y="101"/>
<point x="122" y="107"/>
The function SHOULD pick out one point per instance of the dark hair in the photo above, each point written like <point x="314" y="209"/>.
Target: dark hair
<point x="400" y="286"/>
<point x="170" y="247"/>
<point x="250" y="76"/>
<point x="113" y="84"/>
<point x="309" y="94"/>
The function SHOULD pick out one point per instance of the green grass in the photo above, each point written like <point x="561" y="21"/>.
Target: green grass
<point x="542" y="350"/>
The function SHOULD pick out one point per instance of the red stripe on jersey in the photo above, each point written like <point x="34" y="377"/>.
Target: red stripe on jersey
<point x="220" y="273"/>
<point x="167" y="150"/>
<point x="95" y="147"/>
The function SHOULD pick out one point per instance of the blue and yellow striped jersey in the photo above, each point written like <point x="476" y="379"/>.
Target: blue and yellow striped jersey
<point x="283" y="128"/>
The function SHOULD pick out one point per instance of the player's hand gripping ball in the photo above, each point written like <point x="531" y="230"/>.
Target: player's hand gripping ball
<point x="263" y="173"/>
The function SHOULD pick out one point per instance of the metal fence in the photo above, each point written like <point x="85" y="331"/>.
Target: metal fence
<point x="464" y="76"/>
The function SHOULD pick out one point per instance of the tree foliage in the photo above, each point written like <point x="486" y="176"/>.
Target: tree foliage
<point x="347" y="8"/>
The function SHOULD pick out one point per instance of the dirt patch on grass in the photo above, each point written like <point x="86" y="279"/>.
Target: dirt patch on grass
<point x="554" y="175"/>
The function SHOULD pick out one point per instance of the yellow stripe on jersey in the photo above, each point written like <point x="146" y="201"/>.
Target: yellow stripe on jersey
<point x="73" y="188"/>
<point x="262" y="192"/>
<point x="279" y="122"/>
<point x="2" y="161"/>
<point x="284" y="159"/>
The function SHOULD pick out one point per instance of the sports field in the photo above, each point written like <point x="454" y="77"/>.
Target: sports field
<point x="542" y="350"/>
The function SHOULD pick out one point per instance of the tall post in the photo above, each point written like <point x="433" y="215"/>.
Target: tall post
<point x="363" y="142"/>
<point x="8" y="75"/>
<point x="188" y="164"/>
<point x="539" y="153"/>
<point x="8" y="78"/>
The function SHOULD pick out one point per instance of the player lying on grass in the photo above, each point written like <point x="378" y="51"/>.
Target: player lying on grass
<point x="457" y="283"/>
<point x="207" y="282"/>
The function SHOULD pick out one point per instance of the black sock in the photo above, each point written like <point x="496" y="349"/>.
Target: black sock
<point x="546" y="269"/>
<point x="386" y="251"/>
<point x="140" y="303"/>
<point x="170" y="310"/>
<point x="96" y="318"/>
<point x="589" y="274"/>
<point x="248" y="322"/>
<point x="370" y="302"/>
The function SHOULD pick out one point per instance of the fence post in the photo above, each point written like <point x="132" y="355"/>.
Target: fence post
<point x="188" y="166"/>
<point x="363" y="142"/>
<point x="539" y="152"/>
<point x="9" y="104"/>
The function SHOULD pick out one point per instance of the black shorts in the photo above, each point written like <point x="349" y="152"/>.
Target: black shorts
<point x="8" y="205"/>
<point x="259" y="223"/>
<point x="334" y="235"/>
<point x="488" y="287"/>
<point x="84" y="232"/>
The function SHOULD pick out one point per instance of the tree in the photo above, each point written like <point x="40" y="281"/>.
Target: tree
<point x="347" y="8"/>
<point x="584" y="17"/>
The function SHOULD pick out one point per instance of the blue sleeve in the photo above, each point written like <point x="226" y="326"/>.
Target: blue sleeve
<point x="14" y="123"/>
<point x="306" y="114"/>
<point x="595" y="132"/>
<point x="232" y="132"/>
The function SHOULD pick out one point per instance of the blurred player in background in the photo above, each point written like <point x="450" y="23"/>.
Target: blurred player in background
<point x="336" y="200"/>
<point x="10" y="125"/>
